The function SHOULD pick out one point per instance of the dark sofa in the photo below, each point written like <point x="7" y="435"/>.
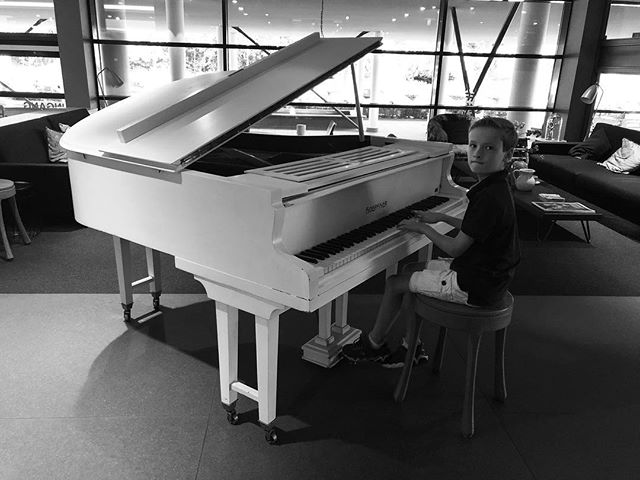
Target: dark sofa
<point x="573" y="167"/>
<point x="24" y="157"/>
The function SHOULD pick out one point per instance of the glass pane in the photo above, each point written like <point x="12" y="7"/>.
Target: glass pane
<point x="534" y="29"/>
<point x="127" y="69"/>
<point x="512" y="82"/>
<point x="400" y="80"/>
<point x="624" y="19"/>
<point x="199" y="22"/>
<point x="381" y="78"/>
<point x="25" y="16"/>
<point x="30" y="74"/>
<point x="621" y="119"/>
<point x="615" y="96"/>
<point x="404" y="24"/>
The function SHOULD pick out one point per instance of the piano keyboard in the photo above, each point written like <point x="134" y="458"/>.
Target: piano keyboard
<point x="347" y="247"/>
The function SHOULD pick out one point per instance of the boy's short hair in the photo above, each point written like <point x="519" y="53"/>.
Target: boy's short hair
<point x="505" y="127"/>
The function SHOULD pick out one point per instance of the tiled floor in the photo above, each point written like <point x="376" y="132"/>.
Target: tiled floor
<point x="85" y="397"/>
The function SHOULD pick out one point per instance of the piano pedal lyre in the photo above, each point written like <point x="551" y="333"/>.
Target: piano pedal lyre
<point x="126" y="285"/>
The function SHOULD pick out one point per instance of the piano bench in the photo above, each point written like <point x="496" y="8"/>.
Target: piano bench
<point x="473" y="320"/>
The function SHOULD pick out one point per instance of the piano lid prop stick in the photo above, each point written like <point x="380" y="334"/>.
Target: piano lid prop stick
<point x="358" y="111"/>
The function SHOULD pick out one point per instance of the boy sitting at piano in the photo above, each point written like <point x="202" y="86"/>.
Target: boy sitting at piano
<point x="484" y="252"/>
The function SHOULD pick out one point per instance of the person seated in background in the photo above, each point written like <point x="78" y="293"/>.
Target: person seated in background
<point x="483" y="254"/>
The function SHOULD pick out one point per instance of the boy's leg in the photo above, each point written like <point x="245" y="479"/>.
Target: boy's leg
<point x="392" y="301"/>
<point x="372" y="346"/>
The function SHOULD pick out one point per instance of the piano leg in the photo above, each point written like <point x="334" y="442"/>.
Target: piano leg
<point x="227" y="327"/>
<point x="267" y="330"/>
<point x="325" y="348"/>
<point x="267" y="365"/>
<point x="122" y="249"/>
<point x="153" y="270"/>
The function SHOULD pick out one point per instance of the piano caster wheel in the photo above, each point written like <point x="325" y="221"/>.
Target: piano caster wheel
<point x="126" y="307"/>
<point x="271" y="435"/>
<point x="232" y="417"/>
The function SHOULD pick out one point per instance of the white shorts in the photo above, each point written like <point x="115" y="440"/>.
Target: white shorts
<point x="439" y="281"/>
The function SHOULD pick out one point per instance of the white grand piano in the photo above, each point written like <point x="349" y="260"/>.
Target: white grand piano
<point x="295" y="234"/>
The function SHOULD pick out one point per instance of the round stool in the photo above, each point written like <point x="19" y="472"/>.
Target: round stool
<point x="473" y="320"/>
<point x="8" y="191"/>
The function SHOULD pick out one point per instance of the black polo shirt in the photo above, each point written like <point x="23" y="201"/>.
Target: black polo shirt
<point x="487" y="267"/>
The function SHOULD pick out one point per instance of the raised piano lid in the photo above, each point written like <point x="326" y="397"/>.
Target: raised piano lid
<point x="172" y="126"/>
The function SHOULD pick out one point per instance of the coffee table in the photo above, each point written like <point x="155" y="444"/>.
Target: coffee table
<point x="548" y="219"/>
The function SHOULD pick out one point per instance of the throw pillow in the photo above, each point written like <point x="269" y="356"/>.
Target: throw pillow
<point x="56" y="152"/>
<point x="595" y="147"/>
<point x="63" y="127"/>
<point x="625" y="159"/>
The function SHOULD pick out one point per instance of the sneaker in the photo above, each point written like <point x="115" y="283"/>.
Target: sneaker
<point x="396" y="359"/>
<point x="362" y="350"/>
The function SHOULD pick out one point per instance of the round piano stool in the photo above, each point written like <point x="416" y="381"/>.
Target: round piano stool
<point x="473" y="320"/>
<point x="8" y="191"/>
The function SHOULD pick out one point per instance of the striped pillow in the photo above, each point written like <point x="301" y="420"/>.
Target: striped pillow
<point x="56" y="152"/>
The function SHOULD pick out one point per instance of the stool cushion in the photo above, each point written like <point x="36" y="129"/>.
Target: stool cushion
<point x="5" y="184"/>
<point x="465" y="317"/>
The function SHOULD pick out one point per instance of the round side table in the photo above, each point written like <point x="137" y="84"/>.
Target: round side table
<point x="8" y="191"/>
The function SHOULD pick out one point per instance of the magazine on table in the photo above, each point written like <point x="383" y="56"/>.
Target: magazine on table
<point x="563" y="207"/>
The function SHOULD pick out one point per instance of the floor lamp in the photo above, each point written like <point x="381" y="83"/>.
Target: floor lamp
<point x="589" y="96"/>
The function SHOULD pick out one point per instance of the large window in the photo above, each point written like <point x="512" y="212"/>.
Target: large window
<point x="624" y="19"/>
<point x="30" y="74"/>
<point x="616" y="102"/>
<point x="436" y="56"/>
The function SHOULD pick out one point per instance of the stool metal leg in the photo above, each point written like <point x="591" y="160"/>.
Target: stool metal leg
<point x="439" y="355"/>
<point x="3" y="233"/>
<point x="473" y="347"/>
<point x="16" y="215"/>
<point x="415" y="322"/>
<point x="499" y="381"/>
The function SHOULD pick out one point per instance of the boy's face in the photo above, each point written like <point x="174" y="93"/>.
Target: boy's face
<point x="486" y="153"/>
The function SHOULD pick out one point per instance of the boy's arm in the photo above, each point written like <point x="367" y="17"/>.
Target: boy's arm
<point x="434" y="217"/>
<point x="454" y="246"/>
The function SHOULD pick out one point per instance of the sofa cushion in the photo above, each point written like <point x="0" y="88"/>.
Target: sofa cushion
<point x="24" y="142"/>
<point x="624" y="160"/>
<point x="55" y="152"/>
<point x="561" y="170"/>
<point x="596" y="147"/>
<point x="617" y="193"/>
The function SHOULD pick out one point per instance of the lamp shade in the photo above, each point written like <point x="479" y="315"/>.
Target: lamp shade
<point x="589" y="95"/>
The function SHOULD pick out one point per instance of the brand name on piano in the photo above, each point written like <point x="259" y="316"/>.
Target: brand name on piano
<point x="375" y="206"/>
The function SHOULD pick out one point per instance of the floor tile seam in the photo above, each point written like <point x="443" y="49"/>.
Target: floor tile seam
<point x="520" y="453"/>
<point x="81" y="417"/>
<point x="204" y="437"/>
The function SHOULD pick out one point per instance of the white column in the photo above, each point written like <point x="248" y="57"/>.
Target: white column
<point x="175" y="27"/>
<point x="533" y="24"/>
<point x="375" y="73"/>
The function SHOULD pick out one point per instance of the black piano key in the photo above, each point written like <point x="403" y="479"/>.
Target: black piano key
<point x="306" y="258"/>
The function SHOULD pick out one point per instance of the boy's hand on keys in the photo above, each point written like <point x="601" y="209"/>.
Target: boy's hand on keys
<point x="427" y="217"/>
